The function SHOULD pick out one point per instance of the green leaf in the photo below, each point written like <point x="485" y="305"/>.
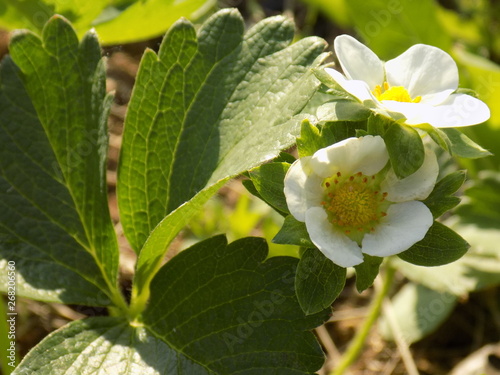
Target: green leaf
<point x="115" y="22"/>
<point x="268" y="179"/>
<point x="54" y="218"/>
<point x="441" y="199"/>
<point x="341" y="130"/>
<point x="483" y="204"/>
<point x="343" y="110"/>
<point x="207" y="107"/>
<point x="418" y="311"/>
<point x="441" y="245"/>
<point x="105" y="345"/>
<point x="310" y="139"/>
<point x="318" y="281"/>
<point x="476" y="270"/>
<point x="293" y="232"/>
<point x="144" y="20"/>
<point x="389" y="28"/>
<point x="405" y="148"/>
<point x="219" y="304"/>
<point x="151" y="257"/>
<point x="462" y="146"/>
<point x="367" y="271"/>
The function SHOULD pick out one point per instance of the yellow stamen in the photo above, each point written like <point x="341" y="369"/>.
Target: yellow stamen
<point x="396" y="93"/>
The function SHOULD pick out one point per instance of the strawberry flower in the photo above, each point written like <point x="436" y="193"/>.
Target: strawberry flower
<point x="352" y="203"/>
<point x="418" y="86"/>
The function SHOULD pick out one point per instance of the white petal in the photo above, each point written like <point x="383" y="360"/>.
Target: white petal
<point x="417" y="186"/>
<point x="458" y="110"/>
<point x="336" y="246"/>
<point x="405" y="224"/>
<point x="415" y="113"/>
<point x="423" y="70"/>
<point x="302" y="188"/>
<point x="358" y="61"/>
<point x="367" y="155"/>
<point x="358" y="89"/>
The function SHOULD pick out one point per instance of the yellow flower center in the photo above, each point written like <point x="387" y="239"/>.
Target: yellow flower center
<point x="396" y="93"/>
<point x="354" y="204"/>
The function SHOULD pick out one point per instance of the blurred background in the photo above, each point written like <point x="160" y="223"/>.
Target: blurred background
<point x="448" y="318"/>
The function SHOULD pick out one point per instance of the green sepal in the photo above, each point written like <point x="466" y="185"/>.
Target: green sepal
<point x="367" y="271"/>
<point x="268" y="181"/>
<point x="332" y="87"/>
<point x="405" y="148"/>
<point x="440" y="246"/>
<point x="441" y="198"/>
<point x="310" y="139"/>
<point x="464" y="147"/>
<point x="343" y="129"/>
<point x="293" y="232"/>
<point x="318" y="281"/>
<point x="342" y="110"/>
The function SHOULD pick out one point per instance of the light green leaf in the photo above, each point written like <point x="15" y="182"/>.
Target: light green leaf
<point x="440" y="246"/>
<point x="441" y="199"/>
<point x="115" y="22"/>
<point x="419" y="311"/>
<point x="207" y="107"/>
<point x="405" y="148"/>
<point x="390" y="27"/>
<point x="219" y="304"/>
<point x="144" y="20"/>
<point x="318" y="281"/>
<point x="105" y="345"/>
<point x="293" y="232"/>
<point x="367" y="271"/>
<point x="54" y="218"/>
<point x="310" y="139"/>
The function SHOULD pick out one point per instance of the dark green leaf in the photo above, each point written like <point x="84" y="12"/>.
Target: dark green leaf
<point x="441" y="245"/>
<point x="462" y="146"/>
<point x="341" y="130"/>
<point x="318" y="282"/>
<point x="268" y="179"/>
<point x="441" y="199"/>
<point x="367" y="271"/>
<point x="220" y="304"/>
<point x="53" y="146"/>
<point x="209" y="106"/>
<point x="405" y="148"/>
<point x="293" y="232"/>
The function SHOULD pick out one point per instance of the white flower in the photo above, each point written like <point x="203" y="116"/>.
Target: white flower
<point x="352" y="202"/>
<point x="418" y="86"/>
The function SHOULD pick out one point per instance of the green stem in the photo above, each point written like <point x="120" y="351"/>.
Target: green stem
<point x="359" y="339"/>
<point x="5" y="342"/>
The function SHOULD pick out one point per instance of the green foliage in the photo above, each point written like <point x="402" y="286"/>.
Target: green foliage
<point x="318" y="282"/>
<point x="115" y="22"/>
<point x="483" y="204"/>
<point x="418" y="312"/>
<point x="310" y="139"/>
<point x="268" y="181"/>
<point x="53" y="151"/>
<point x="441" y="199"/>
<point x="223" y="311"/>
<point x="405" y="148"/>
<point x="201" y="116"/>
<point x="367" y="271"/>
<point x="441" y="245"/>
<point x="476" y="270"/>
<point x="293" y="232"/>
<point x="462" y="146"/>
